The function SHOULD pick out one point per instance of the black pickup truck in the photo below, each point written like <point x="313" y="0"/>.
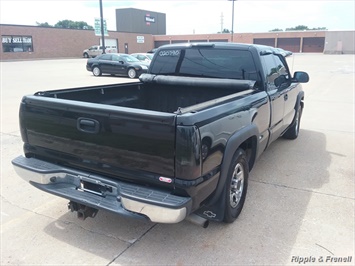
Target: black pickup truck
<point x="177" y="144"/>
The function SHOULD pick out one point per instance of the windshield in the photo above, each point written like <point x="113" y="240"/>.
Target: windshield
<point x="205" y="62"/>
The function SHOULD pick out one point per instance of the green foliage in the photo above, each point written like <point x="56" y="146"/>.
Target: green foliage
<point x="276" y="30"/>
<point x="225" y="31"/>
<point x="299" y="27"/>
<point x="68" y="24"/>
<point x="302" y="28"/>
<point x="45" y="24"/>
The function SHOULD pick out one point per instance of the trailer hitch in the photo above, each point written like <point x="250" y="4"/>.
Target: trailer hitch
<point x="82" y="210"/>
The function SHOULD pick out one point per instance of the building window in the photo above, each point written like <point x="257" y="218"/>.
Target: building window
<point x="16" y="44"/>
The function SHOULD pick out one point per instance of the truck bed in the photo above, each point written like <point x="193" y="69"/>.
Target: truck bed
<point x="121" y="129"/>
<point x="167" y="95"/>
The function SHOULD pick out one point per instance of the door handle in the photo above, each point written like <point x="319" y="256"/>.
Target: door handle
<point x="286" y="97"/>
<point x="88" y="125"/>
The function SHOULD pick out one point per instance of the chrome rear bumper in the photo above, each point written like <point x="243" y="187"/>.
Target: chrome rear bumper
<point x="101" y="192"/>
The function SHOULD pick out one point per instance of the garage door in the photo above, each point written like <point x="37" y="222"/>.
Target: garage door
<point x="265" y="41"/>
<point x="313" y="45"/>
<point x="160" y="43"/>
<point x="289" y="44"/>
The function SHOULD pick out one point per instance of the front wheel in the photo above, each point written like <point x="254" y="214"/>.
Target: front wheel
<point x="86" y="55"/>
<point x="292" y="132"/>
<point x="131" y="73"/>
<point x="96" y="71"/>
<point x="236" y="186"/>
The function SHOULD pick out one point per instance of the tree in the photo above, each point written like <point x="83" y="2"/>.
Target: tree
<point x="276" y="30"/>
<point x="299" y="27"/>
<point x="69" y="24"/>
<point x="45" y="24"/>
<point x="320" y="28"/>
<point x="225" y="31"/>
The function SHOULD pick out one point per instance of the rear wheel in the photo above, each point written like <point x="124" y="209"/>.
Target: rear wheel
<point x="236" y="186"/>
<point x="292" y="132"/>
<point x="131" y="73"/>
<point x="86" y="55"/>
<point x="96" y="71"/>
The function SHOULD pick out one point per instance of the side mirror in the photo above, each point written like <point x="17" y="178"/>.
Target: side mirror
<point x="301" y="77"/>
<point x="280" y="80"/>
<point x="121" y="62"/>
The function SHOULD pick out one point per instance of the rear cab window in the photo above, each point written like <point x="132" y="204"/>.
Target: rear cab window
<point x="206" y="62"/>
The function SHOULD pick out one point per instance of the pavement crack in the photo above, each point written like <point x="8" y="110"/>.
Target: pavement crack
<point x="131" y="244"/>
<point x="325" y="249"/>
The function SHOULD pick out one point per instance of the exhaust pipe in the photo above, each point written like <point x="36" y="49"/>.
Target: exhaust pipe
<point x="194" y="218"/>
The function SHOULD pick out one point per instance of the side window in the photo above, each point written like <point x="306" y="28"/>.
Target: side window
<point x="281" y="66"/>
<point x="105" y="57"/>
<point x="274" y="67"/>
<point x="115" y="58"/>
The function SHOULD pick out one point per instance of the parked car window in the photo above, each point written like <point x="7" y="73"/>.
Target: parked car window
<point x="115" y="58"/>
<point x="106" y="57"/>
<point x="129" y="58"/>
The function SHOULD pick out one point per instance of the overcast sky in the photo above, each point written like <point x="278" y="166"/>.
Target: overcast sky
<point x="188" y="17"/>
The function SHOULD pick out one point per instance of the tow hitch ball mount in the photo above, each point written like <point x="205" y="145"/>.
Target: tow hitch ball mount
<point x="82" y="210"/>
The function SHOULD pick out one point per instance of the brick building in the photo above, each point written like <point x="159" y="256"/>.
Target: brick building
<point x="21" y="42"/>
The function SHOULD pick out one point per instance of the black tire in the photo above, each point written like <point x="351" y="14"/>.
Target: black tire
<point x="96" y="71"/>
<point x="86" y="55"/>
<point x="236" y="186"/>
<point x="293" y="131"/>
<point x="131" y="73"/>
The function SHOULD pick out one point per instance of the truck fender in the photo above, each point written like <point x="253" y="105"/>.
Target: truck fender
<point x="299" y="102"/>
<point x="214" y="208"/>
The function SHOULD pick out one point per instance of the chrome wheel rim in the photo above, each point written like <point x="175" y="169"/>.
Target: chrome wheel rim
<point x="131" y="73"/>
<point x="96" y="71"/>
<point x="237" y="185"/>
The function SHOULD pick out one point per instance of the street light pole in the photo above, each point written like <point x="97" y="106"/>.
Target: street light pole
<point x="232" y="20"/>
<point x="102" y="28"/>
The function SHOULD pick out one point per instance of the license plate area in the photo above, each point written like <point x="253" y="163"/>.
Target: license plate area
<point x="95" y="187"/>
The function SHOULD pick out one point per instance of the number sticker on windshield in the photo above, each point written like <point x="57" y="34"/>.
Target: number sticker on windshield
<point x="169" y="53"/>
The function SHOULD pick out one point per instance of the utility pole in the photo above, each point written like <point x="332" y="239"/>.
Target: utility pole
<point x="222" y="22"/>
<point x="232" y="19"/>
<point x="102" y="28"/>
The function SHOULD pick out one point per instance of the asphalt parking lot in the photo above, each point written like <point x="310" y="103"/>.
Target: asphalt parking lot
<point x="299" y="208"/>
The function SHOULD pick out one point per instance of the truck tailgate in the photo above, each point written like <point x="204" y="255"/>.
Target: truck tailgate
<point x="117" y="141"/>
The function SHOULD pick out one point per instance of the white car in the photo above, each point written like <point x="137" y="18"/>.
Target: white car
<point x="96" y="50"/>
<point x="144" y="57"/>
